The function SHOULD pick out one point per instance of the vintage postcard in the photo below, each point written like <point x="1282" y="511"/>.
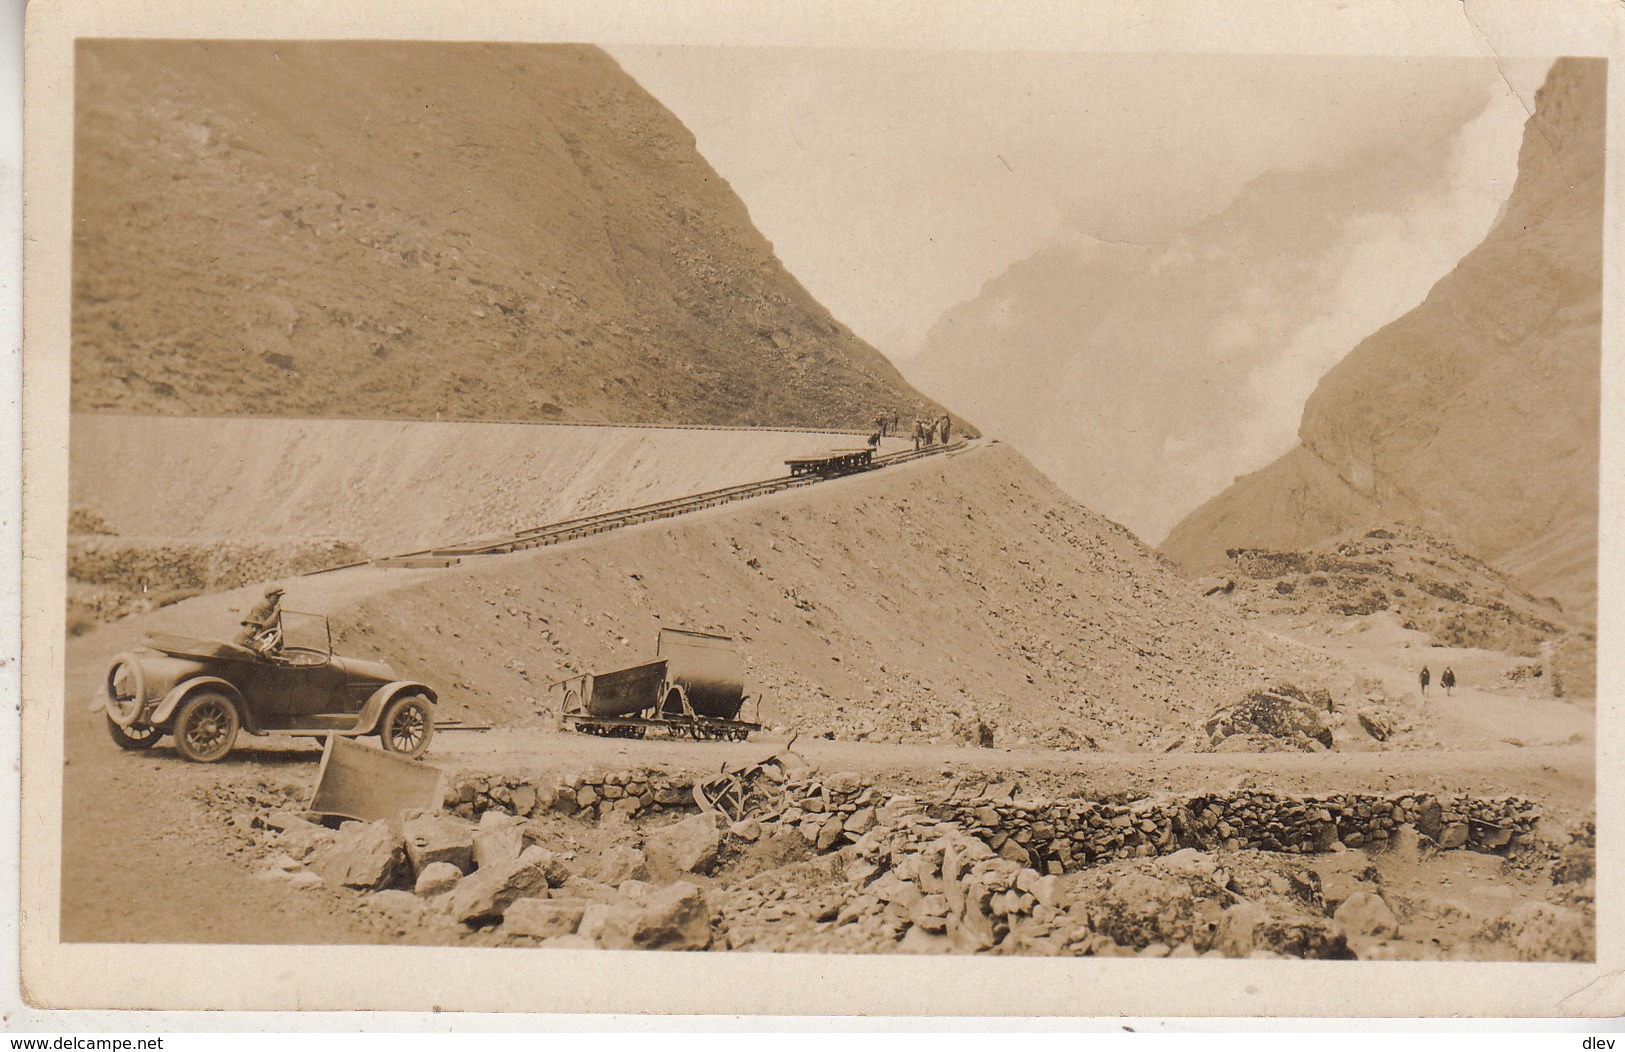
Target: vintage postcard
<point x="1088" y="509"/>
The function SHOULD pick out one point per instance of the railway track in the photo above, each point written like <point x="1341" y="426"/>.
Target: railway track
<point x="602" y="522"/>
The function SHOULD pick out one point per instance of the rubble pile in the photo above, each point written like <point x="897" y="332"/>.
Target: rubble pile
<point x="1284" y="713"/>
<point x="835" y="863"/>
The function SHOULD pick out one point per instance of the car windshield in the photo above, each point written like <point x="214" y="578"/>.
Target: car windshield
<point x="305" y="632"/>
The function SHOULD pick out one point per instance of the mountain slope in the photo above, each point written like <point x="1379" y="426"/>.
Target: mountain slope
<point x="1475" y="415"/>
<point x="904" y="604"/>
<point x="408" y="230"/>
<point x="1142" y="378"/>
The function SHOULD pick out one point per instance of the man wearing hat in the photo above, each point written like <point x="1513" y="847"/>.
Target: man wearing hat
<point x="257" y="626"/>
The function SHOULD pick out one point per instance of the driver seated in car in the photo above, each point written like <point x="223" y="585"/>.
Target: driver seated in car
<point x="261" y="628"/>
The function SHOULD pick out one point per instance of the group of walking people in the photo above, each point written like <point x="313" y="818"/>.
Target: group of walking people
<point x="1447" y="680"/>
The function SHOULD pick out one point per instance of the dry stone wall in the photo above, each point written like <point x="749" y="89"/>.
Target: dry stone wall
<point x="1053" y="836"/>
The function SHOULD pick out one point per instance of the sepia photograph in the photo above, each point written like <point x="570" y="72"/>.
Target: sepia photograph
<point x="1057" y="504"/>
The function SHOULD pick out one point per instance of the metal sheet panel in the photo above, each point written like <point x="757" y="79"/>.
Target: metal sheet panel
<point x="627" y="691"/>
<point x="367" y="784"/>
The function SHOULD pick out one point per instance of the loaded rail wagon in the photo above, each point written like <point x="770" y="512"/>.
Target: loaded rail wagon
<point x="694" y="688"/>
<point x="835" y="462"/>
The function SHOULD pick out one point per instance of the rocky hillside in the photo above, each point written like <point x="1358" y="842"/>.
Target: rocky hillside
<point x="1429" y="584"/>
<point x="1476" y="415"/>
<point x="411" y="230"/>
<point x="915" y="603"/>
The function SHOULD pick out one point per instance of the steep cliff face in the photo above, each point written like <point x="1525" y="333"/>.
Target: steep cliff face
<point x="1477" y="414"/>
<point x="404" y="230"/>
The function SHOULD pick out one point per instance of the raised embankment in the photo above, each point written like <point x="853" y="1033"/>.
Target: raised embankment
<point x="388" y="486"/>
<point x="915" y="603"/>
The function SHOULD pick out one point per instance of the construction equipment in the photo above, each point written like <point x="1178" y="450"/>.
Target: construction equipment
<point x="695" y="688"/>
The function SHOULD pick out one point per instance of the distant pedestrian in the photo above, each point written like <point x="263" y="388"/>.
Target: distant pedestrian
<point x="1424" y="677"/>
<point x="1449" y="680"/>
<point x="874" y="440"/>
<point x="947" y="427"/>
<point x="919" y="435"/>
<point x="880" y="425"/>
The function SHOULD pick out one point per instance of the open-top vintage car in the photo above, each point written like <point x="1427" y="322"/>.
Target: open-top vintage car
<point x="202" y="691"/>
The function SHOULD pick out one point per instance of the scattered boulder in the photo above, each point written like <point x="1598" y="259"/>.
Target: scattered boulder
<point x="1365" y="915"/>
<point x="620" y="863"/>
<point x="438" y="838"/>
<point x="675" y="917"/>
<point x="1376" y="724"/>
<point x="688" y="846"/>
<point x="368" y="856"/>
<point x="297" y="836"/>
<point x="486" y="893"/>
<point x="543" y="918"/>
<point x="498" y="840"/>
<point x="437" y="878"/>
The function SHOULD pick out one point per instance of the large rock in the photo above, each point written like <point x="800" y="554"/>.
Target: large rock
<point x="486" y="893"/>
<point x="1364" y="915"/>
<point x="438" y="838"/>
<point x="298" y="836"/>
<point x="620" y="863"/>
<point x="437" y="878"/>
<point x="1375" y="723"/>
<point x="367" y="856"/>
<point x="499" y="839"/>
<point x="689" y="846"/>
<point x="675" y="917"/>
<point x="543" y="918"/>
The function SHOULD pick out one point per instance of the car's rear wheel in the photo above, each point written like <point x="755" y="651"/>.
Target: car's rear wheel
<point x="205" y="727"/>
<point x="133" y="739"/>
<point x="407" y="726"/>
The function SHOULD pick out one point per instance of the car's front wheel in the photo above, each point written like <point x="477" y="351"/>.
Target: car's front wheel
<point x="133" y="739"/>
<point x="407" y="726"/>
<point x="205" y="727"/>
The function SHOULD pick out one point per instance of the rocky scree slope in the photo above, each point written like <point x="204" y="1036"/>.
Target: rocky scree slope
<point x="482" y="231"/>
<point x="1430" y="584"/>
<point x="920" y="603"/>
<point x="1476" y="415"/>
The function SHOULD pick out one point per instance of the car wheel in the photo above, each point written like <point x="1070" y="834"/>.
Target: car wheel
<point x="133" y="739"/>
<point x="407" y="726"/>
<point x="205" y="727"/>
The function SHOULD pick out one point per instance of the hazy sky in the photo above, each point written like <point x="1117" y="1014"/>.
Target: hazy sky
<point x="895" y="183"/>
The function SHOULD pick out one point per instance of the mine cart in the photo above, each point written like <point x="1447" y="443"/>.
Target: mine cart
<point x="694" y="688"/>
<point x="835" y="462"/>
